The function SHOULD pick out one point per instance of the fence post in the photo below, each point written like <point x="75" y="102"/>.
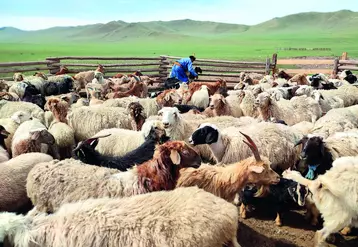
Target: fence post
<point x="267" y="67"/>
<point x="163" y="68"/>
<point x="52" y="67"/>
<point x="274" y="63"/>
<point x="344" y="56"/>
<point x="335" y="66"/>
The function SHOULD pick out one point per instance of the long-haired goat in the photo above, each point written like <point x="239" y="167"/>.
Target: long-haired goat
<point x="51" y="184"/>
<point x="227" y="181"/>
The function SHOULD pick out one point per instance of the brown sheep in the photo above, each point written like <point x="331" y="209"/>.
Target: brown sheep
<point x="219" y="106"/>
<point x="136" y="90"/>
<point x="300" y="79"/>
<point x="168" y="98"/>
<point x="59" y="109"/>
<point x="136" y="111"/>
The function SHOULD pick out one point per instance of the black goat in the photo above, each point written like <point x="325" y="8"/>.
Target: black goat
<point x="33" y="95"/>
<point x="56" y="88"/>
<point x="315" y="157"/>
<point x="186" y="108"/>
<point x="85" y="151"/>
<point x="281" y="197"/>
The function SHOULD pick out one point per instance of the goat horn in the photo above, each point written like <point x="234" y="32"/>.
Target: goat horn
<point x="252" y="146"/>
<point x="90" y="140"/>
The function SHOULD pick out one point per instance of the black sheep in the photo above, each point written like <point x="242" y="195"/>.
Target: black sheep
<point x="56" y="88"/>
<point x="281" y="197"/>
<point x="315" y="157"/>
<point x="186" y="108"/>
<point x="351" y="78"/>
<point x="85" y="151"/>
<point x="31" y="96"/>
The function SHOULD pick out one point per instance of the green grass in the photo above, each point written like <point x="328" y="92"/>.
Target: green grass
<point x="336" y="30"/>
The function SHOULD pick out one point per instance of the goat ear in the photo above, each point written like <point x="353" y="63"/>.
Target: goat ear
<point x="256" y="169"/>
<point x="175" y="157"/>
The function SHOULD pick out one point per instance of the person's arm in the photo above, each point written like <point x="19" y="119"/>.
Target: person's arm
<point x="191" y="69"/>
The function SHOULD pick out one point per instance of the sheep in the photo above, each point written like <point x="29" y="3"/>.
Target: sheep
<point x="122" y="141"/>
<point x="8" y="108"/>
<point x="318" y="154"/>
<point x="136" y="90"/>
<point x="51" y="184"/>
<point x="38" y="80"/>
<point x="329" y="103"/>
<point x="304" y="128"/>
<point x="36" y="99"/>
<point x="63" y="70"/>
<point x="18" y="88"/>
<point x="271" y="138"/>
<point x="336" y="120"/>
<point x="212" y="87"/>
<point x="247" y="104"/>
<point x="98" y="77"/>
<point x="4" y="87"/>
<point x="82" y="78"/>
<point x="85" y="151"/>
<point x="150" y="106"/>
<point x="32" y="136"/>
<point x="168" y="98"/>
<point x="285" y="195"/>
<point x="298" y="109"/>
<point x="335" y="191"/>
<point x="347" y="93"/>
<point x="200" y="98"/>
<point x="9" y="96"/>
<point x="63" y="134"/>
<point x="186" y="217"/>
<point x="87" y="121"/>
<point x="179" y="129"/>
<point x="300" y="79"/>
<point x="93" y="90"/>
<point x="11" y="124"/>
<point x="186" y="108"/>
<point x="284" y="75"/>
<point x="4" y="155"/>
<point x="13" y="181"/>
<point x="227" y="181"/>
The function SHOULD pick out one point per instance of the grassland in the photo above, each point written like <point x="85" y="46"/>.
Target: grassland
<point x="181" y="38"/>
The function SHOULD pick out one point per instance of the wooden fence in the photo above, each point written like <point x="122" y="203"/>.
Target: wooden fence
<point x="152" y="66"/>
<point x="160" y="66"/>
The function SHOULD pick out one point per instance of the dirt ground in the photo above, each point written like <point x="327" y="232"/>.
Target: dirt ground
<point x="261" y="231"/>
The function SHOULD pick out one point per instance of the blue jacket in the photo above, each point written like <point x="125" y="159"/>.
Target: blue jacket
<point x="179" y="72"/>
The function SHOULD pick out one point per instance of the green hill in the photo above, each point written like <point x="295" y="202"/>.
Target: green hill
<point x="340" y="22"/>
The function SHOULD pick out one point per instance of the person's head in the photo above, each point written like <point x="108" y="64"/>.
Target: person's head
<point x="192" y="58"/>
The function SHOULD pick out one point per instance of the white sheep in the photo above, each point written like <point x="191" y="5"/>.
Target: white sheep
<point x="335" y="191"/>
<point x="122" y="141"/>
<point x="13" y="176"/>
<point x="184" y="217"/>
<point x="18" y="88"/>
<point x="200" y="98"/>
<point x="11" y="124"/>
<point x="348" y="93"/>
<point x="98" y="78"/>
<point x="271" y="139"/>
<point x="8" y="108"/>
<point x="87" y="121"/>
<point x="337" y="120"/>
<point x="298" y="109"/>
<point x="329" y="103"/>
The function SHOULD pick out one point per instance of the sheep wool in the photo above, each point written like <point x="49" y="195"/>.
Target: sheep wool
<point x="187" y="217"/>
<point x="87" y="121"/>
<point x="13" y="176"/>
<point x="200" y="98"/>
<point x="8" y="108"/>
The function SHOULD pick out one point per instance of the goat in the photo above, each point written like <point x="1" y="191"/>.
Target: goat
<point x="85" y="151"/>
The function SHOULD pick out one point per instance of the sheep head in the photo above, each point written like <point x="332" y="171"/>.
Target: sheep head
<point x="177" y="153"/>
<point x="135" y="110"/>
<point x="170" y="116"/>
<point x="217" y="101"/>
<point x="18" y="77"/>
<point x="100" y="68"/>
<point x="41" y="75"/>
<point x="263" y="100"/>
<point x="3" y="86"/>
<point x="206" y="133"/>
<point x="42" y="139"/>
<point x="20" y="117"/>
<point x="168" y="98"/>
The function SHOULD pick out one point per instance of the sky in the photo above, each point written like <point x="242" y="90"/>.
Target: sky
<point x="41" y="14"/>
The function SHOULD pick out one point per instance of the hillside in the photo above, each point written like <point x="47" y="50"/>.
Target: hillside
<point x="340" y="22"/>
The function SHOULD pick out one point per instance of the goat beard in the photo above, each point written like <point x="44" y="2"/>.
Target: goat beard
<point x="262" y="191"/>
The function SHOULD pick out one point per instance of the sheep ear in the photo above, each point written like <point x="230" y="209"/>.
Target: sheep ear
<point x="256" y="169"/>
<point x="175" y="157"/>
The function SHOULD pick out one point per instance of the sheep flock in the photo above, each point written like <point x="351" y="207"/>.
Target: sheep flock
<point x="182" y="167"/>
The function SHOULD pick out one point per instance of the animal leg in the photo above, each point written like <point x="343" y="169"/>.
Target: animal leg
<point x="278" y="219"/>
<point x="328" y="229"/>
<point x="233" y="243"/>
<point x="243" y="211"/>
<point x="346" y="230"/>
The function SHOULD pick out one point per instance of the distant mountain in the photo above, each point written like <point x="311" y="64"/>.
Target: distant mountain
<point x="343" y="22"/>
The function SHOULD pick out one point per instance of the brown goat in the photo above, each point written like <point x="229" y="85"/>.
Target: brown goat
<point x="284" y="75"/>
<point x="168" y="98"/>
<point x="63" y="70"/>
<point x="213" y="87"/>
<point x="227" y="181"/>
<point x="9" y="96"/>
<point x="59" y="109"/>
<point x="136" y="111"/>
<point x="136" y="90"/>
<point x="300" y="79"/>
